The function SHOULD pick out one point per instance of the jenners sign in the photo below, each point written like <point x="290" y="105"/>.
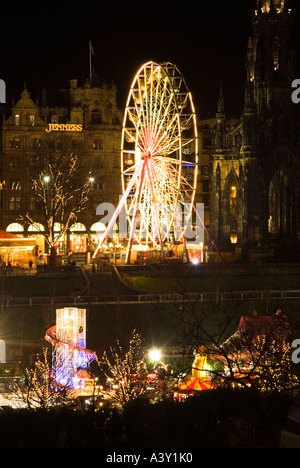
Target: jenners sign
<point x="64" y="128"/>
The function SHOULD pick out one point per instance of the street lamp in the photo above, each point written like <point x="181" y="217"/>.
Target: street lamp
<point x="155" y="355"/>
<point x="91" y="178"/>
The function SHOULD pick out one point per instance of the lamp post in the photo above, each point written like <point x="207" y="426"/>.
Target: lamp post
<point x="49" y="207"/>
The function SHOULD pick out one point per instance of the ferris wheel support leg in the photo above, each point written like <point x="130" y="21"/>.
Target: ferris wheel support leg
<point x="133" y="226"/>
<point x="206" y="230"/>
<point x="118" y="211"/>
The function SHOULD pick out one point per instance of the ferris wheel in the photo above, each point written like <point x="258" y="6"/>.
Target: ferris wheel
<point x="159" y="159"/>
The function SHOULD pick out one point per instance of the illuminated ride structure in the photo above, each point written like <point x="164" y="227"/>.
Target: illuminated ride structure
<point x="71" y="358"/>
<point x="159" y="164"/>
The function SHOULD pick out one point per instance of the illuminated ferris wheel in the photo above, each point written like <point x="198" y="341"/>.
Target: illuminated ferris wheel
<point x="159" y="159"/>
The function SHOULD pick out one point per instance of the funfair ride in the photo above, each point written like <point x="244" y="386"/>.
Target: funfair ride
<point x="159" y="164"/>
<point x="71" y="359"/>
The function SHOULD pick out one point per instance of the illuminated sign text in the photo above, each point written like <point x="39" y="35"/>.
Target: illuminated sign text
<point x="64" y="128"/>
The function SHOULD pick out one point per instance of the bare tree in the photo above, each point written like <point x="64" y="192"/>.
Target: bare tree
<point x="127" y="376"/>
<point x="248" y="351"/>
<point x="119" y="365"/>
<point x="61" y="187"/>
<point x="35" y="388"/>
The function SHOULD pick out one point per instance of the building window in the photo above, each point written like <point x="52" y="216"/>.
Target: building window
<point x="77" y="144"/>
<point x="15" y="227"/>
<point x="14" y="203"/>
<point x="59" y="143"/>
<point x="98" y="144"/>
<point x="13" y="162"/>
<point x="50" y="144"/>
<point x="281" y="206"/>
<point x="96" y="117"/>
<point x="35" y="143"/>
<point x="54" y="119"/>
<point x="233" y="208"/>
<point x="15" y="185"/>
<point x="205" y="170"/>
<point x="32" y="203"/>
<point x="15" y="143"/>
<point x="207" y="142"/>
<point x="32" y="119"/>
<point x="233" y="239"/>
<point x="205" y="186"/>
<point x="99" y="186"/>
<point x="17" y="119"/>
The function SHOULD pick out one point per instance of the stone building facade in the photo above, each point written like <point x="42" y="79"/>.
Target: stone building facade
<point x="255" y="160"/>
<point x="88" y="126"/>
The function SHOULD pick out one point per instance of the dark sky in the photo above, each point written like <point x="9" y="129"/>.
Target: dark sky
<point x="206" y="40"/>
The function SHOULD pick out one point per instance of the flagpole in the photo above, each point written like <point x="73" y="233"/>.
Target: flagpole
<point x="90" y="53"/>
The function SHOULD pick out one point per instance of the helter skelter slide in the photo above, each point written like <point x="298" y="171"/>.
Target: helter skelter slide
<point x="159" y="164"/>
<point x="70" y="358"/>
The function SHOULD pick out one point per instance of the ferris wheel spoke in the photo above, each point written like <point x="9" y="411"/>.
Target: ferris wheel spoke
<point x="157" y="103"/>
<point x="168" y="137"/>
<point x="166" y="114"/>
<point x="165" y="187"/>
<point x="161" y="97"/>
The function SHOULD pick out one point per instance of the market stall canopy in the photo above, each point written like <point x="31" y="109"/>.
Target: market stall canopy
<point x="7" y="235"/>
<point x="194" y="385"/>
<point x="265" y="325"/>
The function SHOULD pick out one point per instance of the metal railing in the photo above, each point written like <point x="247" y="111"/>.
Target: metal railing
<point x="217" y="296"/>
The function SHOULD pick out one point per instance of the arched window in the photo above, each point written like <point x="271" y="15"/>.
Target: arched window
<point x="231" y="206"/>
<point x="96" y="117"/>
<point x="78" y="227"/>
<point x="280" y="206"/>
<point x="15" y="227"/>
<point x="98" y="227"/>
<point x="36" y="227"/>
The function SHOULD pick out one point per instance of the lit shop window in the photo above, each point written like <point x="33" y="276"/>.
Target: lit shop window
<point x="233" y="239"/>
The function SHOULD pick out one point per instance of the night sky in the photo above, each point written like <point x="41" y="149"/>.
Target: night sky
<point x="206" y="40"/>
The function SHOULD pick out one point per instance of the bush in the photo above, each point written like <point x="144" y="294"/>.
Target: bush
<point x="213" y="419"/>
